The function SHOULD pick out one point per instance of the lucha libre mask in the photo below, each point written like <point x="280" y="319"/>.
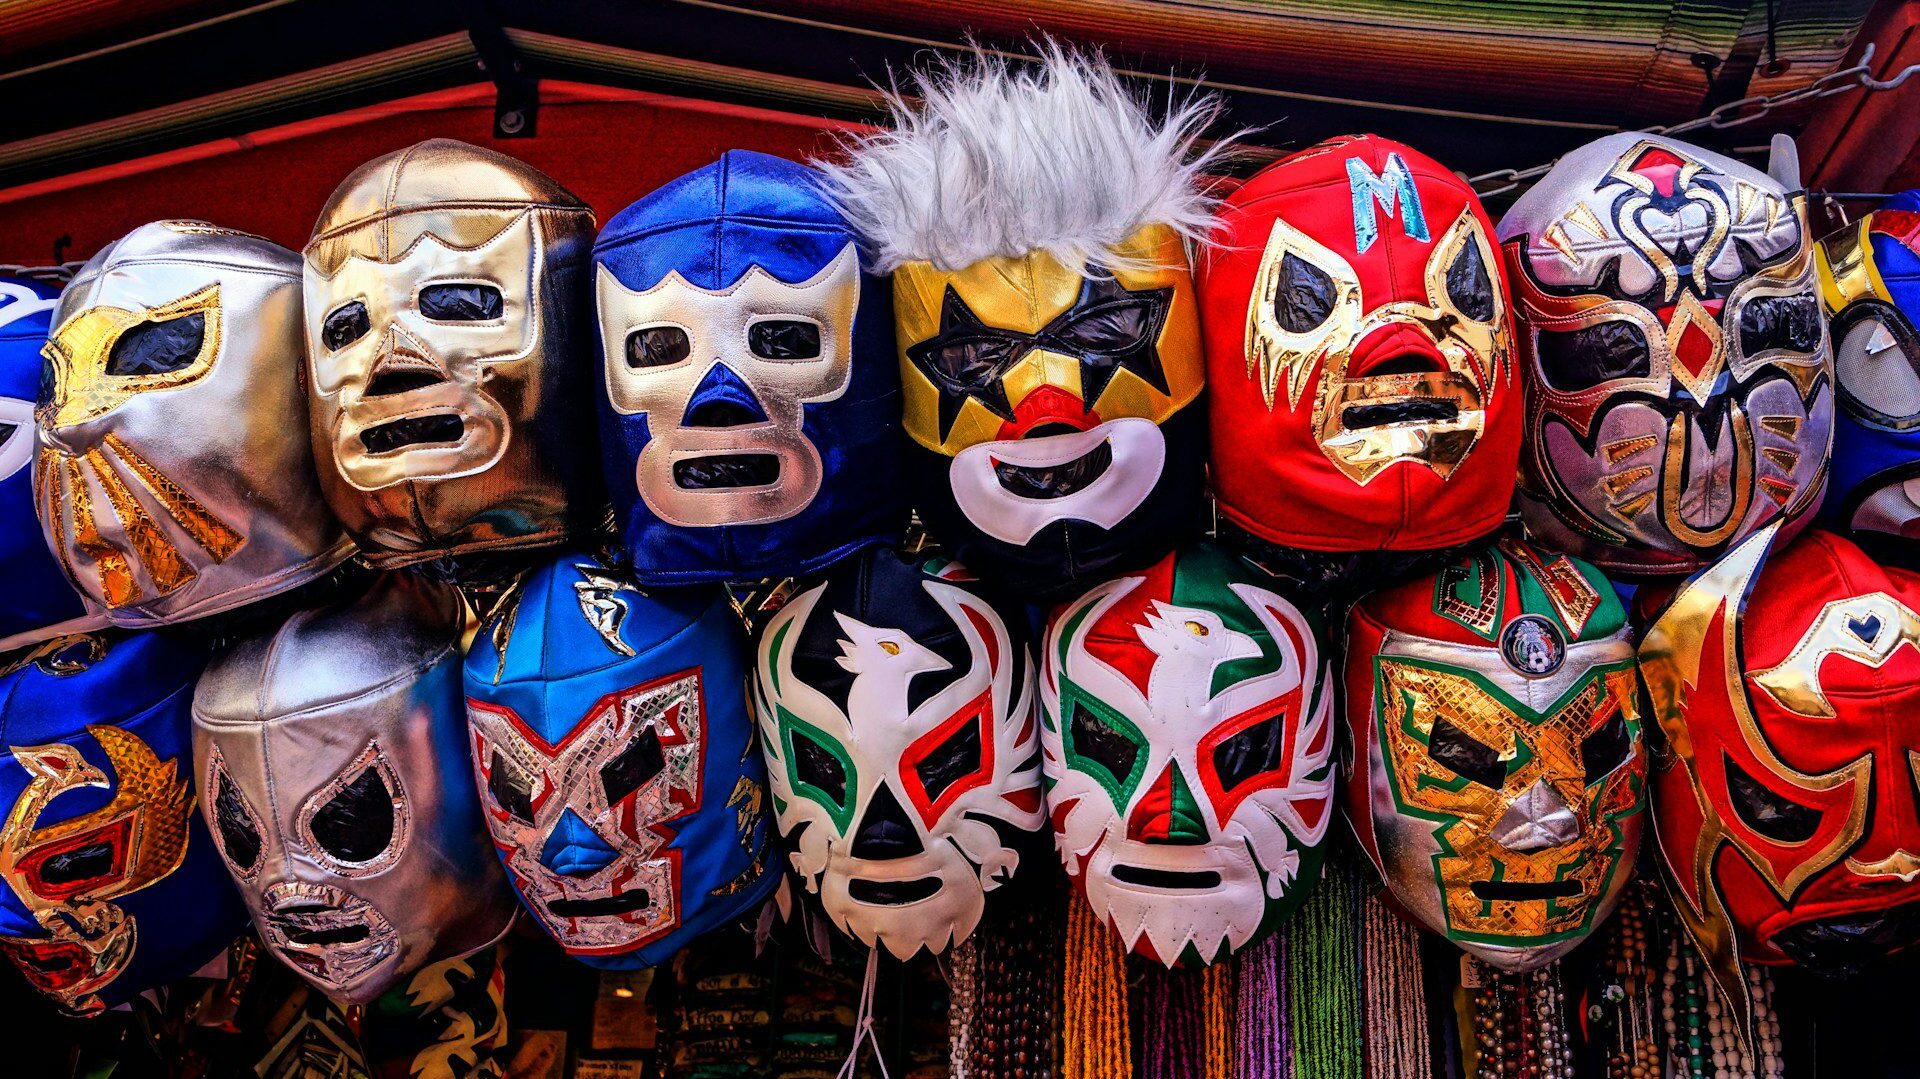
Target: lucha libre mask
<point x="1498" y="774"/>
<point x="1870" y="281"/>
<point x="1788" y="687"/>
<point x="1048" y="334"/>
<point x="444" y="287"/>
<point x="1362" y="386"/>
<point x="611" y="743"/>
<point x="1678" y="376"/>
<point x="167" y="482"/>
<point x="751" y="414"/>
<point x="111" y="884"/>
<point x="41" y="603"/>
<point x="331" y="757"/>
<point x="896" y="710"/>
<point x="1187" y="724"/>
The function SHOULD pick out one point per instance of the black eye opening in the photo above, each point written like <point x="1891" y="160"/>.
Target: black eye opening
<point x="1251" y="751"/>
<point x="356" y="824"/>
<point x="1580" y="359"/>
<point x="78" y="865"/>
<point x="657" y="346"/>
<point x="817" y="766"/>
<point x="158" y="348"/>
<point x="462" y="302"/>
<point x="1779" y="819"/>
<point x="1115" y="327"/>
<point x="1303" y="297"/>
<point x="953" y="760"/>
<point x="1098" y="742"/>
<point x="1466" y="755"/>
<point x="1787" y="322"/>
<point x="1606" y="747"/>
<point x="238" y="835"/>
<point x="639" y="762"/>
<point x="1469" y="286"/>
<point x="344" y="325"/>
<point x="784" y="339"/>
<point x="972" y="361"/>
<point x="512" y="790"/>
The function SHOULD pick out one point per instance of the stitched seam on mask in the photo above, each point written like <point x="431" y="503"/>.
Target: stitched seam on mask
<point x="259" y="727"/>
<point x="218" y="264"/>
<point x="388" y="216"/>
<point x="720" y="177"/>
<point x="612" y="244"/>
<point x="393" y="191"/>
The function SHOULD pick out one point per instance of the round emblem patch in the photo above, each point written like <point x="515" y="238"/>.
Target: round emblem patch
<point x="1533" y="646"/>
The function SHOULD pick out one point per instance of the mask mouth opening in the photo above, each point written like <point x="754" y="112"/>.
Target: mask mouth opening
<point x="339" y="934"/>
<point x="892" y="893"/>
<point x="1416" y="410"/>
<point x="1190" y="880"/>
<point x="1055" y="481"/>
<point x="413" y="431"/>
<point x="1521" y="890"/>
<point x="726" y="470"/>
<point x="605" y="906"/>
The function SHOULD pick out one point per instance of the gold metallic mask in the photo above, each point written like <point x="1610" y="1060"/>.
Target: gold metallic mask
<point x="1024" y="294"/>
<point x="148" y="817"/>
<point x="1478" y="824"/>
<point x="169" y="483"/>
<point x="438" y="435"/>
<point x="1281" y="360"/>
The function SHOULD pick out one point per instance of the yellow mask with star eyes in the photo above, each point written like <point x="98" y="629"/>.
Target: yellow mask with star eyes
<point x="1010" y="344"/>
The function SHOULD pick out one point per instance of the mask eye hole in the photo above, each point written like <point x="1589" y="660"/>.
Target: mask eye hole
<point x="1109" y="328"/>
<point x="1303" y="296"/>
<point x="1580" y="359"/>
<point x="1251" y="751"/>
<point x="1095" y="741"/>
<point x="1877" y="361"/>
<point x="511" y="789"/>
<point x="79" y="865"/>
<point x="239" y="834"/>
<point x="819" y="767"/>
<point x="1607" y="747"/>
<point x="657" y="346"/>
<point x="158" y="348"/>
<point x="356" y="825"/>
<point x="344" y="325"/>
<point x="969" y="363"/>
<point x="463" y="302"/>
<point x="1780" y="322"/>
<point x="1468" y="286"/>
<point x="1467" y="756"/>
<point x="639" y="762"/>
<point x="1777" y="818"/>
<point x="784" y="339"/>
<point x="953" y="760"/>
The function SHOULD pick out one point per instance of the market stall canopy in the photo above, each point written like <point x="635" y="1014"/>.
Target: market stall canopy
<point x="129" y="86"/>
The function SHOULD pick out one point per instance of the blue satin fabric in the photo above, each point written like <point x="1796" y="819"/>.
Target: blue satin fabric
<point x="1868" y="455"/>
<point x="39" y="599"/>
<point x="557" y="666"/>
<point x="143" y="684"/>
<point x="711" y="226"/>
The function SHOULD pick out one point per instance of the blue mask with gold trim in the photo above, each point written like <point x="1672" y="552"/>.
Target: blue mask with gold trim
<point x="112" y="885"/>
<point x="750" y="404"/>
<point x="615" y="756"/>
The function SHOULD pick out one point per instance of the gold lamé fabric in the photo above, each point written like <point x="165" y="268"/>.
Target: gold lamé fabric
<point x="165" y="478"/>
<point x="438" y="435"/>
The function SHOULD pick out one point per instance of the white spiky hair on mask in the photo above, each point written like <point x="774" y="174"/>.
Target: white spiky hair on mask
<point x="998" y="159"/>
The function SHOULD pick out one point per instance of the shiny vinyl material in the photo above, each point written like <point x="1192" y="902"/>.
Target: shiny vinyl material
<point x="166" y="478"/>
<point x="109" y="883"/>
<point x="615" y="760"/>
<point x="1679" y="382"/>
<point x="41" y="602"/>
<point x="445" y="292"/>
<point x="750" y="410"/>
<point x="1499" y="781"/>
<point x="332" y="758"/>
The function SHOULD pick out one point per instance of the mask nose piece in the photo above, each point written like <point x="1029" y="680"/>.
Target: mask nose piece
<point x="722" y="400"/>
<point x="574" y="849"/>
<point x="1166" y="812"/>
<point x="403" y="364"/>
<point x="885" y="831"/>
<point x="1538" y="819"/>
